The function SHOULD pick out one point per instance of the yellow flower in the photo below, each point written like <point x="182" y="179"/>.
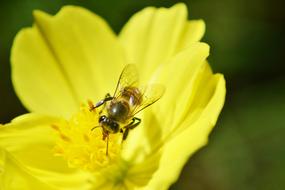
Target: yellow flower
<point x="66" y="59"/>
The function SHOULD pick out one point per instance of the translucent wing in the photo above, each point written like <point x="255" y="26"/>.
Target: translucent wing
<point x="128" y="78"/>
<point x="149" y="95"/>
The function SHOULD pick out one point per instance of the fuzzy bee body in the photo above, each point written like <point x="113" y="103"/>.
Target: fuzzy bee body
<point x="128" y="100"/>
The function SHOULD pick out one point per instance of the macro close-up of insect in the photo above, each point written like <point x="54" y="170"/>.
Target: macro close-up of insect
<point x="117" y="113"/>
<point x="127" y="95"/>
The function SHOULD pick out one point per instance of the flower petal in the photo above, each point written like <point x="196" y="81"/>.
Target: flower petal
<point x="180" y="147"/>
<point x="179" y="77"/>
<point x="27" y="144"/>
<point x="182" y="120"/>
<point x="64" y="60"/>
<point x="15" y="177"/>
<point x="153" y="35"/>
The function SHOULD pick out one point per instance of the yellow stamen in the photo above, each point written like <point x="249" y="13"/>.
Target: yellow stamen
<point x="83" y="147"/>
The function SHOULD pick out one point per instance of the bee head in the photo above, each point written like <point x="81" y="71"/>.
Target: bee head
<point x="108" y="124"/>
<point x="102" y="119"/>
<point x="114" y="127"/>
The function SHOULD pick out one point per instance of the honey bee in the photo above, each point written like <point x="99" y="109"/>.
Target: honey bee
<point x="128" y="99"/>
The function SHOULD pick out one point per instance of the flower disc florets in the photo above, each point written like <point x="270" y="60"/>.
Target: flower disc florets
<point x="83" y="147"/>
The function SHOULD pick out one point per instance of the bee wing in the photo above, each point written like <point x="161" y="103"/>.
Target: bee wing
<point x="149" y="94"/>
<point x="128" y="77"/>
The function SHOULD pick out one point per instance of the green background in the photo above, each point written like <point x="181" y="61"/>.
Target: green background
<point x="247" y="148"/>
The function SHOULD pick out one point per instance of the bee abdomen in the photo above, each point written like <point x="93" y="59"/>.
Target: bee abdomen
<point x="132" y="95"/>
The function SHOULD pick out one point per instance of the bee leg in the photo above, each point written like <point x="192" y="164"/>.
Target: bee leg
<point x="135" y="122"/>
<point x="107" y="98"/>
<point x="125" y="134"/>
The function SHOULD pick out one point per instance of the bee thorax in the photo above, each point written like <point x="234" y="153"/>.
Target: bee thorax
<point x="118" y="111"/>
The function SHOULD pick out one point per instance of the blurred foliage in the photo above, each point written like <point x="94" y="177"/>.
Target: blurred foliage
<point x="246" y="149"/>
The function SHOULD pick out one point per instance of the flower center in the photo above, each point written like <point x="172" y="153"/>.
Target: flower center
<point x="81" y="142"/>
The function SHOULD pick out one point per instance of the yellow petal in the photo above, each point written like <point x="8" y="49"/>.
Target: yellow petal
<point x="153" y="35"/>
<point x="27" y="145"/>
<point x="179" y="123"/>
<point x="14" y="176"/>
<point x="179" y="76"/>
<point x="177" y="150"/>
<point x="65" y="59"/>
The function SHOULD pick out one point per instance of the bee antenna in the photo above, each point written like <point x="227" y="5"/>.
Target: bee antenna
<point x="94" y="128"/>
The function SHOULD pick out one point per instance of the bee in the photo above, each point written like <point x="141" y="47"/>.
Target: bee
<point x="128" y="100"/>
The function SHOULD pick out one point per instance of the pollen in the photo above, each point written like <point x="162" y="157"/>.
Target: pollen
<point x="83" y="147"/>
